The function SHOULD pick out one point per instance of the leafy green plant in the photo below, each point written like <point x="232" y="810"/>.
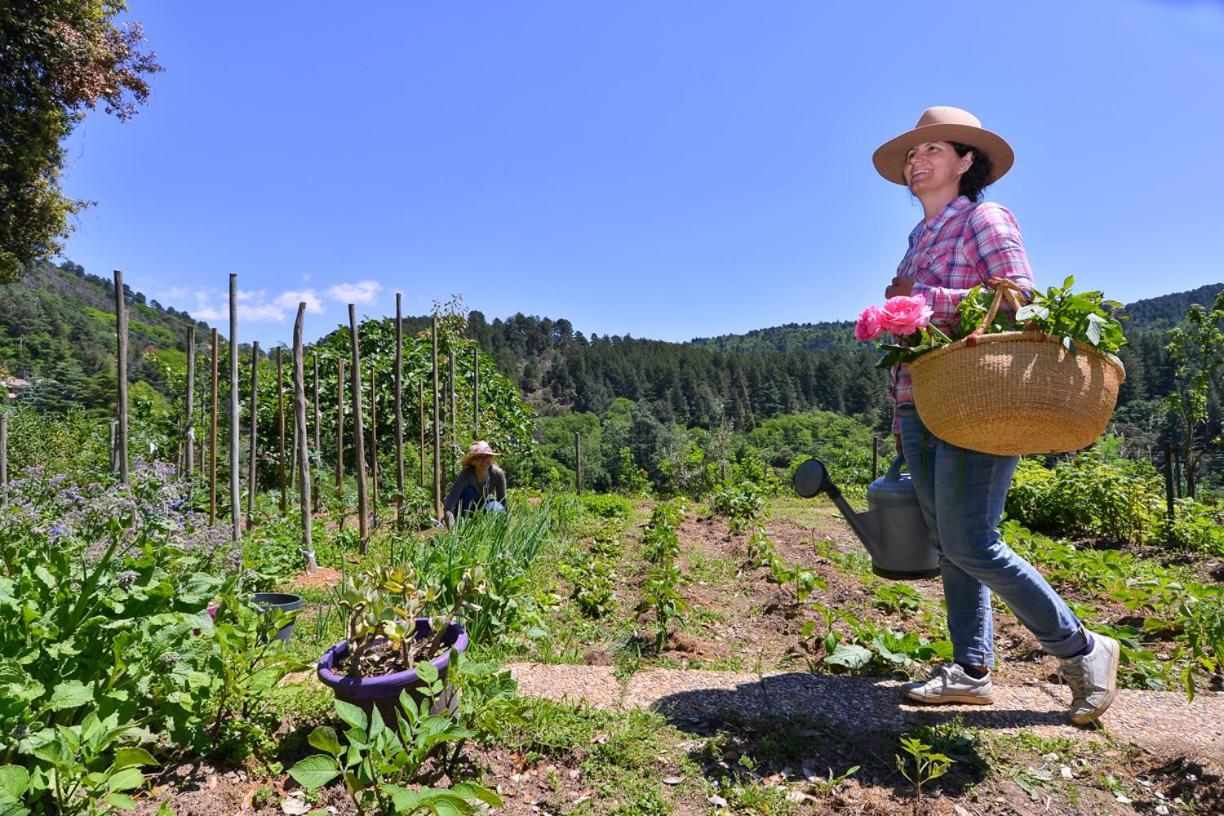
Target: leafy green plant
<point x="381" y="760"/>
<point x="920" y="763"/>
<point x="661" y="590"/>
<point x="741" y="503"/>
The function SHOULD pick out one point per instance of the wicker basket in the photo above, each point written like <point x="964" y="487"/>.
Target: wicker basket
<point x="1016" y="392"/>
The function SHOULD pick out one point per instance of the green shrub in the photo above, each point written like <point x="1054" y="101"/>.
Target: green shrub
<point x="1086" y="496"/>
<point x="1194" y="526"/>
<point x="606" y="505"/>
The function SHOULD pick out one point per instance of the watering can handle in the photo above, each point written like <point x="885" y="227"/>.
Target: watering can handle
<point x="894" y="470"/>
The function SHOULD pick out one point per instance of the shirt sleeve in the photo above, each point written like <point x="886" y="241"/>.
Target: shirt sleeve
<point x="993" y="246"/>
<point x="499" y="484"/>
<point x="451" y="503"/>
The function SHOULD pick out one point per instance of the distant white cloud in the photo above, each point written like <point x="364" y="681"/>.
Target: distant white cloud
<point x="212" y="305"/>
<point x="362" y="292"/>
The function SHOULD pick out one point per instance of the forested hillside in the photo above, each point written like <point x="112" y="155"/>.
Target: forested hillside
<point x="57" y="331"/>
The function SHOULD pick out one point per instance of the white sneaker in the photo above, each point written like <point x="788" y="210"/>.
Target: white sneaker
<point x="949" y="684"/>
<point x="1093" y="679"/>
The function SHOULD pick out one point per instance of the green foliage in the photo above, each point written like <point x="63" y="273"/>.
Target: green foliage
<point x="381" y="760"/>
<point x="592" y="576"/>
<point x="1196" y="350"/>
<point x="1194" y="527"/>
<point x="741" y="503"/>
<point x="661" y="591"/>
<point x="920" y="763"/>
<point x="60" y="60"/>
<point x="1086" y="496"/>
<point x="607" y="506"/>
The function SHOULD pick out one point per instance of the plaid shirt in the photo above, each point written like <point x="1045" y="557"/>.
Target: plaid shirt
<point x="963" y="246"/>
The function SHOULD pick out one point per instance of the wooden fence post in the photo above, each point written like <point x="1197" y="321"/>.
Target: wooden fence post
<point x="1168" y="473"/>
<point x="212" y="434"/>
<point x="437" y="429"/>
<point x="303" y="449"/>
<point x="875" y="458"/>
<point x="253" y="473"/>
<point x="4" y="449"/>
<point x="577" y="461"/>
<point x="340" y="442"/>
<point x="373" y="448"/>
<point x="189" y="431"/>
<point x="235" y="500"/>
<point x="475" y="394"/>
<point x="318" y="435"/>
<point x="280" y="424"/>
<point x="363" y="522"/>
<point x="121" y="334"/>
<point x="421" y="427"/>
<point x="454" y="417"/>
<point x="399" y="414"/>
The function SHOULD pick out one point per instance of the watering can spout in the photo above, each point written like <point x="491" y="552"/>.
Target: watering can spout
<point x="812" y="478"/>
<point x="892" y="530"/>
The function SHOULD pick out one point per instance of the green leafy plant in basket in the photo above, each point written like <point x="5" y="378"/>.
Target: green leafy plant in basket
<point x="1071" y="317"/>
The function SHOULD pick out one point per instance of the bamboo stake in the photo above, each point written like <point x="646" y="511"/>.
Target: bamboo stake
<point x="121" y="407"/>
<point x="4" y="449"/>
<point x="437" y="429"/>
<point x="252" y="474"/>
<point x="189" y="435"/>
<point x="399" y="414"/>
<point x="454" y="416"/>
<point x="373" y="447"/>
<point x="359" y="433"/>
<point x="475" y="394"/>
<point x="421" y="427"/>
<point x="212" y="435"/>
<point x="303" y="452"/>
<point x="280" y="424"/>
<point x="577" y="462"/>
<point x="235" y="501"/>
<point x="318" y="433"/>
<point x="340" y="440"/>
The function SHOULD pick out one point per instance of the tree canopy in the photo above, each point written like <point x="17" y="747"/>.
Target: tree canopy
<point x="58" y="59"/>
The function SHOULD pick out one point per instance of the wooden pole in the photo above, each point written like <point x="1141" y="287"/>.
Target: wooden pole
<point x="114" y="450"/>
<point x="318" y="432"/>
<point x="121" y="406"/>
<point x="875" y="458"/>
<point x="253" y="473"/>
<point x="235" y="501"/>
<point x="280" y="424"/>
<point x="421" y="427"/>
<point x="212" y="434"/>
<point x="4" y="448"/>
<point x="189" y="431"/>
<point x="340" y="425"/>
<point x="1168" y="472"/>
<point x="577" y="462"/>
<point x="303" y="449"/>
<point x="363" y="520"/>
<point x="399" y="414"/>
<point x="475" y="394"/>
<point x="373" y="447"/>
<point x="454" y="417"/>
<point x="437" y="428"/>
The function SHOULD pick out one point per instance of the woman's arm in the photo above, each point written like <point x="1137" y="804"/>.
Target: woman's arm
<point x="498" y="479"/>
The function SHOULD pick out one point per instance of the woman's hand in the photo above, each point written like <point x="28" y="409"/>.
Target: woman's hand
<point x="900" y="287"/>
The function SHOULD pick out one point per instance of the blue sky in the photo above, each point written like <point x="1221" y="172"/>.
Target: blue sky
<point x="660" y="169"/>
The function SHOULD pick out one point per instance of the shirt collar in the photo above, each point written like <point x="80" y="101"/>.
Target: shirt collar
<point x="953" y="207"/>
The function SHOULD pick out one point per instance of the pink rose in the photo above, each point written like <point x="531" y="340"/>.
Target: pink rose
<point x="905" y="315"/>
<point x="870" y="324"/>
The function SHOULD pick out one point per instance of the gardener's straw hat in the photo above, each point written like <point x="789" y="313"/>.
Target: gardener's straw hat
<point x="480" y="448"/>
<point x="944" y="124"/>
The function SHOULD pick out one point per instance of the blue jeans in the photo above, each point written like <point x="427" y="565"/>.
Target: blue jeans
<point x="469" y="501"/>
<point x="962" y="493"/>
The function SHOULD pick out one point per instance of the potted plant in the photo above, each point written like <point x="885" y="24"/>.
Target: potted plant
<point x="389" y="634"/>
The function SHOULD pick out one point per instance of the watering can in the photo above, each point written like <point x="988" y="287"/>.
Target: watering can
<point x="893" y="529"/>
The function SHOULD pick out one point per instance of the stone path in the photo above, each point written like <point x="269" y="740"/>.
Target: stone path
<point x="1161" y="722"/>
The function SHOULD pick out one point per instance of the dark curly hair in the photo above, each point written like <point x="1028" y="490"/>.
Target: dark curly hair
<point x="975" y="179"/>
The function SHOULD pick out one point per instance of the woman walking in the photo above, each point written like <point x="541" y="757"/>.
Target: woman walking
<point x="946" y="161"/>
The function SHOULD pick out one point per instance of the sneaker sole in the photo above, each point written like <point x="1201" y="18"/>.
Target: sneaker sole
<point x="949" y="699"/>
<point x="1094" y="715"/>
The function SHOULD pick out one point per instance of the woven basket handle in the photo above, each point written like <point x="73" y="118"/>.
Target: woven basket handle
<point x="1003" y="288"/>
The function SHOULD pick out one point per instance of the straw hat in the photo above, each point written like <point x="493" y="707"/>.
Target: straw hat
<point x="480" y="448"/>
<point x="943" y="124"/>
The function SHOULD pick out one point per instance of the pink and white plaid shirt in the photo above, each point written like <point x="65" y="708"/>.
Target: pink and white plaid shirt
<point x="965" y="245"/>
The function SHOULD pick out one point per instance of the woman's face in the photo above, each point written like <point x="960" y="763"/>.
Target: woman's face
<point x="934" y="167"/>
<point x="482" y="462"/>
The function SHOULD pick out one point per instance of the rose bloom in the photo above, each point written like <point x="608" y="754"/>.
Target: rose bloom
<point x="870" y="324"/>
<point x="905" y="315"/>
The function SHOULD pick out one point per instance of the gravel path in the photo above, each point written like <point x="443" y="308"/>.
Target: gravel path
<point x="1161" y="722"/>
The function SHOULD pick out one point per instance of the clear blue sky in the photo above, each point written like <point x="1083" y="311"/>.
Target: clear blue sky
<point x="661" y="169"/>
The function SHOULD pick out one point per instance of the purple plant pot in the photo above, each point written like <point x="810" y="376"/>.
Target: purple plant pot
<point x="384" y="690"/>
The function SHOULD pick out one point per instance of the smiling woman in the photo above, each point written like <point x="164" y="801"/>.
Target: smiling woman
<point x="961" y="243"/>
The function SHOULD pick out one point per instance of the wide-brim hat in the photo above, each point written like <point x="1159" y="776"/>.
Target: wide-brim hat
<point x="480" y="448"/>
<point x="944" y="124"/>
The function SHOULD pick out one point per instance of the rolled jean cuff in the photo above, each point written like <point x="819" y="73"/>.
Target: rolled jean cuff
<point x="975" y="657"/>
<point x="1069" y="646"/>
